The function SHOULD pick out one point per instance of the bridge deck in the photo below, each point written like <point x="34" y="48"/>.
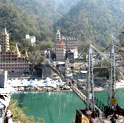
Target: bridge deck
<point x="75" y="89"/>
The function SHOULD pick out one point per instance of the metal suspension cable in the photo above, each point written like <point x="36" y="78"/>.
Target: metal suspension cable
<point x="97" y="58"/>
<point x="120" y="50"/>
<point x="118" y="47"/>
<point x="105" y="50"/>
<point x="101" y="53"/>
<point x="107" y="58"/>
<point x="83" y="51"/>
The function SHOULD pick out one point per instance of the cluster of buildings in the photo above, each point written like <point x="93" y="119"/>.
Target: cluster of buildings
<point x="66" y="47"/>
<point x="12" y="61"/>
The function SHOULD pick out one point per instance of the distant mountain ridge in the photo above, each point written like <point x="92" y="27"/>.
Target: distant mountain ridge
<point x="94" y="20"/>
<point x="88" y="20"/>
<point x="49" y="9"/>
<point x="35" y="17"/>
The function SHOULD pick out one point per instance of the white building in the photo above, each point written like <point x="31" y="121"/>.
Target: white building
<point x="72" y="45"/>
<point x="31" y="38"/>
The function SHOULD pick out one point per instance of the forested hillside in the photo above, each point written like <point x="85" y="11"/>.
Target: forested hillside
<point x="94" y="20"/>
<point x="50" y="9"/>
<point x="12" y="18"/>
<point x="35" y="17"/>
<point x="63" y="6"/>
<point x="18" y="22"/>
<point x="88" y="20"/>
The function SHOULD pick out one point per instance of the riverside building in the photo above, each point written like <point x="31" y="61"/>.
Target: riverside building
<point x="12" y="61"/>
<point x="64" y="45"/>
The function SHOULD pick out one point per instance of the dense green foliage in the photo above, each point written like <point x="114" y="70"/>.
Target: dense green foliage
<point x="43" y="14"/>
<point x="63" y="6"/>
<point x="94" y="20"/>
<point x="35" y="17"/>
<point x="34" y="53"/>
<point x="49" y="10"/>
<point x="88" y="20"/>
<point x="16" y="21"/>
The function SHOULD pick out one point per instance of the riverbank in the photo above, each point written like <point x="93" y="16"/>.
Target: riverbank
<point x="44" y="89"/>
<point x="49" y="85"/>
<point x="18" y="115"/>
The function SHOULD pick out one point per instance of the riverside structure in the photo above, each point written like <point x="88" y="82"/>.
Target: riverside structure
<point x="12" y="61"/>
<point x="64" y="45"/>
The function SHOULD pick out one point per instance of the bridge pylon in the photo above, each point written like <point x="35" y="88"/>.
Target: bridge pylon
<point x="112" y="75"/>
<point x="90" y="82"/>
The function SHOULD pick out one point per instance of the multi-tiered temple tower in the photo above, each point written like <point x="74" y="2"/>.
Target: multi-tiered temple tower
<point x="60" y="47"/>
<point x="11" y="60"/>
<point x="4" y="41"/>
<point x="65" y="44"/>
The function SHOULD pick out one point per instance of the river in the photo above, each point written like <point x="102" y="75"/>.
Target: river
<point x="57" y="107"/>
<point x="54" y="107"/>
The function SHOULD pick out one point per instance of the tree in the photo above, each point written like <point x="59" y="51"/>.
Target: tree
<point x="12" y="45"/>
<point x="46" y="45"/>
<point x="26" y="43"/>
<point x="35" y="57"/>
<point x="19" y="115"/>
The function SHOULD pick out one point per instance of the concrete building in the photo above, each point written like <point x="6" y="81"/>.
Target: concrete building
<point x="31" y="38"/>
<point x="72" y="45"/>
<point x="64" y="45"/>
<point x="9" y="60"/>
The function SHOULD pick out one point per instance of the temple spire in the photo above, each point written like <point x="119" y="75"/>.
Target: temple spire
<point x="17" y="50"/>
<point x="5" y="30"/>
<point x="58" y="36"/>
<point x="4" y="40"/>
<point x="26" y="53"/>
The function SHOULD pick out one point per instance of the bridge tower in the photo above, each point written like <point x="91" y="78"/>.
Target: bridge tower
<point x="113" y="76"/>
<point x="90" y="83"/>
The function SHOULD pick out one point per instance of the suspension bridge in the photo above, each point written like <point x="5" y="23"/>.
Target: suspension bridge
<point x="92" y="103"/>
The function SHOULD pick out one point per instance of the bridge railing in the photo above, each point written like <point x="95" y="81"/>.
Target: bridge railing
<point x="99" y="103"/>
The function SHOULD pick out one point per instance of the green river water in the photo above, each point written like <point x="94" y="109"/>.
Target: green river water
<point x="57" y="107"/>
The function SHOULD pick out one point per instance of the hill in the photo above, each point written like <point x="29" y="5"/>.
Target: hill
<point x="17" y="22"/>
<point x="88" y="20"/>
<point x="50" y="9"/>
<point x="97" y="21"/>
<point x="35" y="17"/>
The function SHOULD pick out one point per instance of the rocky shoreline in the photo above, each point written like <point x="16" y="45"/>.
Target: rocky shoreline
<point x="43" y="89"/>
<point x="64" y="88"/>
